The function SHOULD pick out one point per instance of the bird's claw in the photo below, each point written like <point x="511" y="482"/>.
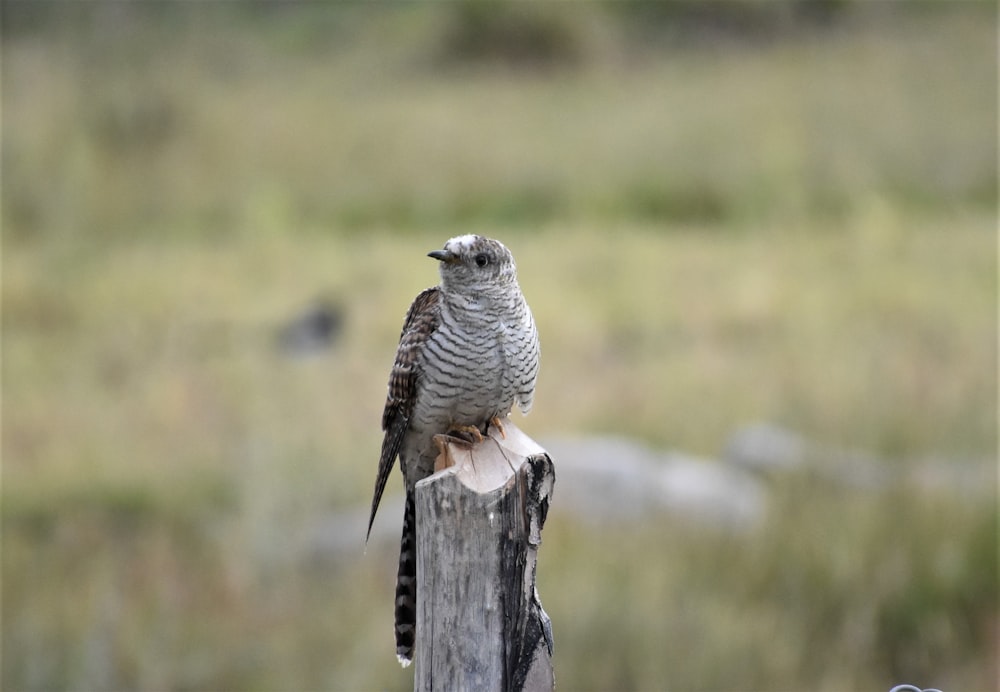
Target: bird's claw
<point x="466" y="435"/>
<point x="443" y="460"/>
<point x="498" y="424"/>
<point x="463" y="435"/>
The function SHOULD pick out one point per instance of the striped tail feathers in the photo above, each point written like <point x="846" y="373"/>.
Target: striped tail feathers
<point x="406" y="586"/>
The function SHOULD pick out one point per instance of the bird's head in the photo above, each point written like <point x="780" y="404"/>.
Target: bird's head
<point x="475" y="264"/>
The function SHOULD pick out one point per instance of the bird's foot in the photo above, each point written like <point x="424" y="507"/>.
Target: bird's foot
<point x="466" y="435"/>
<point x="443" y="460"/>
<point x="463" y="437"/>
<point x="498" y="424"/>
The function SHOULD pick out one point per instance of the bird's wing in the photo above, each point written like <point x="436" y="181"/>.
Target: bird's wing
<point x="421" y="321"/>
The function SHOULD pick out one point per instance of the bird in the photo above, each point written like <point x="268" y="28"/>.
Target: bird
<point x="468" y="352"/>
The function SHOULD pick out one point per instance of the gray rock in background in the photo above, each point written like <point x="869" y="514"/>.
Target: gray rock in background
<point x="617" y="479"/>
<point x="603" y="478"/>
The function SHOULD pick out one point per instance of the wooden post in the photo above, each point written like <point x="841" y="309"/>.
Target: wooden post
<point x="480" y="623"/>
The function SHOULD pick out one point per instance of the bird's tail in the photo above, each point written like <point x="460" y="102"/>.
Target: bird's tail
<point x="406" y="585"/>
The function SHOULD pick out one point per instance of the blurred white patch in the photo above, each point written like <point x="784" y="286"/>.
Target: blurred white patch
<point x="467" y="240"/>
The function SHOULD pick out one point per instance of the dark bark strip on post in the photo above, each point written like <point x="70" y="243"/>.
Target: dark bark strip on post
<point x="480" y="623"/>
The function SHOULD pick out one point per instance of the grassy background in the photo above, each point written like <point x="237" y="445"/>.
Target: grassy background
<point x="795" y="224"/>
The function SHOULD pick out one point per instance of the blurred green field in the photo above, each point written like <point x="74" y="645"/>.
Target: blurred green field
<point x="798" y="228"/>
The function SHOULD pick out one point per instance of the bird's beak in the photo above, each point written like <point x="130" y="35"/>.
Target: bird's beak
<point x="443" y="255"/>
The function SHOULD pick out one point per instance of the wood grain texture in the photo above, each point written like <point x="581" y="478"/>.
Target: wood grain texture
<point x="480" y="622"/>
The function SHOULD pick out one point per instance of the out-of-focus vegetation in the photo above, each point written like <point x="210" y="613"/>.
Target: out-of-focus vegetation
<point x="781" y="211"/>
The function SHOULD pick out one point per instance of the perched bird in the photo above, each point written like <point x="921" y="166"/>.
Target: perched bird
<point x="467" y="353"/>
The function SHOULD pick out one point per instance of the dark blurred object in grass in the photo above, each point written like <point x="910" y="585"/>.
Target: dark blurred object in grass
<point x="313" y="330"/>
<point x="512" y="34"/>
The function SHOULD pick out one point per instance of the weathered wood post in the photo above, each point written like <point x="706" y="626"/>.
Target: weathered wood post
<point x="480" y="623"/>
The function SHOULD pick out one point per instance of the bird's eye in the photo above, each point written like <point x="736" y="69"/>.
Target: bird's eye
<point x="482" y="260"/>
